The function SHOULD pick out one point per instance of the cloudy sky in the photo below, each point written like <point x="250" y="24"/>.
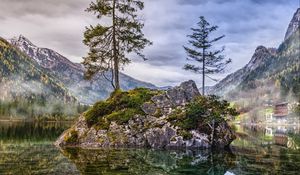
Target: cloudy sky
<point x="59" y="24"/>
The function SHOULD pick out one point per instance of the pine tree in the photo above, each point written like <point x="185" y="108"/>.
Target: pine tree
<point x="110" y="44"/>
<point x="211" y="61"/>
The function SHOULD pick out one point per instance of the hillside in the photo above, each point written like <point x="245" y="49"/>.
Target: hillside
<point x="282" y="67"/>
<point x="72" y="74"/>
<point x="232" y="81"/>
<point x="270" y="71"/>
<point x="22" y="77"/>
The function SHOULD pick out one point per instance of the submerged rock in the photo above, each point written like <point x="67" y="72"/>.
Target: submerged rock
<point x="153" y="129"/>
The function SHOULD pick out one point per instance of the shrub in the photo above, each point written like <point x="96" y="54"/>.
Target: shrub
<point x="202" y="110"/>
<point x="185" y="134"/>
<point x="205" y="109"/>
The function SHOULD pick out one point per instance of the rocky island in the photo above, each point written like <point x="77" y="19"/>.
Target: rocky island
<point x="176" y="118"/>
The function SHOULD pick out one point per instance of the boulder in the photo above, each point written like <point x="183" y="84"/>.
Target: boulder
<point x="161" y="101"/>
<point x="149" y="108"/>
<point x="190" y="90"/>
<point x="224" y="135"/>
<point x="183" y="94"/>
<point x="159" y="137"/>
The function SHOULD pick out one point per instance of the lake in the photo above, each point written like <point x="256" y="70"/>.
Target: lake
<point x="27" y="148"/>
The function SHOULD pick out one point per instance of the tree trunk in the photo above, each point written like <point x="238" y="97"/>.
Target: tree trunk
<point x="213" y="132"/>
<point x="203" y="72"/>
<point x="115" y="54"/>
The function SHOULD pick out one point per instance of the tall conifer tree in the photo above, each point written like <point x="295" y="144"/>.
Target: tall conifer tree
<point x="110" y="43"/>
<point x="209" y="61"/>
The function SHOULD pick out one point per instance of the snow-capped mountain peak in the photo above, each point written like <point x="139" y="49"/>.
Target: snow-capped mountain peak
<point x="21" y="40"/>
<point x="47" y="58"/>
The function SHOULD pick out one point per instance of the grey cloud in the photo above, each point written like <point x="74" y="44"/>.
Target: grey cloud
<point x="192" y="2"/>
<point x="269" y="1"/>
<point x="241" y="21"/>
<point x="59" y="25"/>
<point x="49" y="8"/>
<point x="199" y="2"/>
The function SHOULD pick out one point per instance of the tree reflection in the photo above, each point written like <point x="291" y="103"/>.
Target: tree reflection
<point x="143" y="161"/>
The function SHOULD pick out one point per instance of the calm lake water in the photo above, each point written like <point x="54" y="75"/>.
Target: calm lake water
<point x="27" y="148"/>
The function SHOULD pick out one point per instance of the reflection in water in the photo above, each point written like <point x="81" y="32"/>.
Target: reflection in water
<point x="268" y="135"/>
<point x="31" y="131"/>
<point x="268" y="150"/>
<point x="142" y="161"/>
<point x="26" y="148"/>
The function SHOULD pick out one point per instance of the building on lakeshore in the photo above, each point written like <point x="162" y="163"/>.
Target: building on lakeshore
<point x="281" y="112"/>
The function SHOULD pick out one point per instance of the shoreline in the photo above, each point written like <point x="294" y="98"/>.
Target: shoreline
<point x="265" y="124"/>
<point x="46" y="121"/>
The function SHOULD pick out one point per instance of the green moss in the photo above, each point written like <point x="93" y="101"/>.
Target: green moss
<point x="123" y="116"/>
<point x="173" y="139"/>
<point x="119" y="107"/>
<point x="112" y="137"/>
<point x="71" y="137"/>
<point x="101" y="140"/>
<point x="158" y="113"/>
<point x="185" y="134"/>
<point x="99" y="109"/>
<point x="157" y="125"/>
<point x="177" y="117"/>
<point x="102" y="124"/>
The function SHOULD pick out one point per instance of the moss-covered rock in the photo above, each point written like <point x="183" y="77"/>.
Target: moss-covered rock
<point x="120" y="106"/>
<point x="175" y="118"/>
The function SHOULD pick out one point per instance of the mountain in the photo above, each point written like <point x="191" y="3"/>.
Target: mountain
<point x="268" y="67"/>
<point x="294" y="24"/>
<point x="23" y="78"/>
<point x="72" y="74"/>
<point x="233" y="80"/>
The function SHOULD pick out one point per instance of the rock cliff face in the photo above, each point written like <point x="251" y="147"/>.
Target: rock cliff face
<point x="152" y="129"/>
<point x="294" y="24"/>
<point x="233" y="80"/>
